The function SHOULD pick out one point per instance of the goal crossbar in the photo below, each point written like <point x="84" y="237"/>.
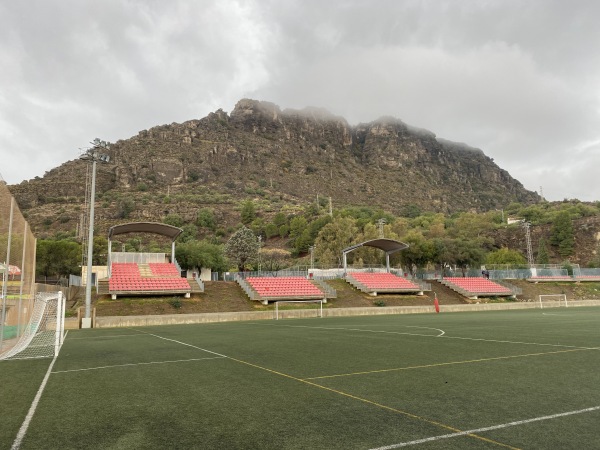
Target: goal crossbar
<point x="320" y="309"/>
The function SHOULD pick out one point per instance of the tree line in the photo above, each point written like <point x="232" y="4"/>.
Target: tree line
<point x="280" y="240"/>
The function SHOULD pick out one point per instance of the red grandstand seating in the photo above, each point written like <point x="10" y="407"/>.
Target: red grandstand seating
<point x="126" y="277"/>
<point x="164" y="269"/>
<point x="284" y="287"/>
<point x="384" y="282"/>
<point x="477" y="286"/>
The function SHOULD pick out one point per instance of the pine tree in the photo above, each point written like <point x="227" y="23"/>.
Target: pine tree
<point x="542" y="254"/>
<point x="562" y="235"/>
<point x="248" y="213"/>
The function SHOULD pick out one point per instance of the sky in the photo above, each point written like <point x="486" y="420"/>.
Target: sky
<point x="518" y="79"/>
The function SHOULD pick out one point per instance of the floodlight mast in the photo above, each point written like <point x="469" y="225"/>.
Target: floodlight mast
<point x="93" y="154"/>
<point x="527" y="226"/>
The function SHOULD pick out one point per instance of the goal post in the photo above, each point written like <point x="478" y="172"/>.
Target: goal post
<point x="552" y="300"/>
<point x="43" y="335"/>
<point x="279" y="316"/>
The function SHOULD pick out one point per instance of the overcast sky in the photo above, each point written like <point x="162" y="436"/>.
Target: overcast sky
<point x="518" y="79"/>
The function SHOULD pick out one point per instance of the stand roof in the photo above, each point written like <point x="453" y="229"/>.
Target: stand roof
<point x="387" y="245"/>
<point x="145" y="227"/>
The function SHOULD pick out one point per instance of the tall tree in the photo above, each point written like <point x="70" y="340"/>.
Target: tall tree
<point x="248" y="212"/>
<point x="242" y="248"/>
<point x="198" y="254"/>
<point x="505" y="256"/>
<point x="542" y="254"/>
<point x="562" y="235"/>
<point x="57" y="258"/>
<point x="333" y="238"/>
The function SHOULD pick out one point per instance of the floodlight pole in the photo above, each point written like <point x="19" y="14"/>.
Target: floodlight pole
<point x="530" y="260"/>
<point x="94" y="156"/>
<point x="90" y="249"/>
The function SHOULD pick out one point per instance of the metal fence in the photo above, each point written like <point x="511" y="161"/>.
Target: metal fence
<point x="17" y="269"/>
<point x="587" y="273"/>
<point x="138" y="258"/>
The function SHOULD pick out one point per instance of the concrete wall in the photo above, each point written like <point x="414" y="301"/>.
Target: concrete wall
<point x="173" y="319"/>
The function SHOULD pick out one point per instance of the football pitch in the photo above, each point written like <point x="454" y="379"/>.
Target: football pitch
<point x="512" y="379"/>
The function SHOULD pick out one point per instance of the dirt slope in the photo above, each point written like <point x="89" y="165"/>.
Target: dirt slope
<point x="227" y="296"/>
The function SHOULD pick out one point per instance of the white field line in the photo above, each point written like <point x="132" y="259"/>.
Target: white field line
<point x="184" y="343"/>
<point x="404" y="413"/>
<point x="444" y="336"/>
<point x="32" y="408"/>
<point x="484" y="429"/>
<point x="136" y="364"/>
<point x="107" y="336"/>
<point x="442" y="332"/>
<point x="447" y="363"/>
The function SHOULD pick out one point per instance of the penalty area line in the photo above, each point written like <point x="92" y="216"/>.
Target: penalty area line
<point x="484" y="429"/>
<point x="136" y="364"/>
<point x="347" y="395"/>
<point x="448" y="363"/>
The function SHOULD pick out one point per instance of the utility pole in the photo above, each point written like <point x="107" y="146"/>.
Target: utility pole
<point x="330" y="208"/>
<point x="530" y="260"/>
<point x="259" y="247"/>
<point x="312" y="256"/>
<point x="93" y="154"/>
<point x="381" y="222"/>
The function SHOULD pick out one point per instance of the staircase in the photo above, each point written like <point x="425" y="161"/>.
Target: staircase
<point x="145" y="270"/>
<point x="103" y="288"/>
<point x="196" y="285"/>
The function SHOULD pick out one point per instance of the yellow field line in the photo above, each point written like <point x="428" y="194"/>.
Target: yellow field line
<point x="364" y="400"/>
<point x="446" y="364"/>
<point x="370" y="402"/>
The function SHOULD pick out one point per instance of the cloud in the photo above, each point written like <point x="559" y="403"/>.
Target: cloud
<point x="518" y="80"/>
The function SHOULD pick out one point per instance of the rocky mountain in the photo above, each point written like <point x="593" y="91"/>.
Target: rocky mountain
<point x="277" y="158"/>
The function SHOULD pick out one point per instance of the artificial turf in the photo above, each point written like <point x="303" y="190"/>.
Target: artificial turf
<point x="356" y="382"/>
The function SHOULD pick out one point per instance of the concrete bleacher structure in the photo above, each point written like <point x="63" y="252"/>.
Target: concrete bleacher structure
<point x="549" y="274"/>
<point x="267" y="289"/>
<point x="382" y="282"/>
<point x="146" y="278"/>
<point x="543" y="278"/>
<point x="587" y="278"/>
<point x="475" y="287"/>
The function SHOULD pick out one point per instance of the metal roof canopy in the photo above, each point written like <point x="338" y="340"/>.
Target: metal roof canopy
<point x="389" y="246"/>
<point x="143" y="227"/>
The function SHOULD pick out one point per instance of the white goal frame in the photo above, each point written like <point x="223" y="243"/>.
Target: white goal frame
<point x="319" y="311"/>
<point x="562" y="300"/>
<point x="43" y="336"/>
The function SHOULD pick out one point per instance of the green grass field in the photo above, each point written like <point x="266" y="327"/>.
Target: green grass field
<point x="518" y="379"/>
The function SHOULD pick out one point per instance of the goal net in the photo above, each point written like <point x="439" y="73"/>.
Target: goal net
<point x="279" y="312"/>
<point x="43" y="335"/>
<point x="553" y="300"/>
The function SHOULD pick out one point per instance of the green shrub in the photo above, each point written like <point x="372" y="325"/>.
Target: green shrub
<point x="175" y="303"/>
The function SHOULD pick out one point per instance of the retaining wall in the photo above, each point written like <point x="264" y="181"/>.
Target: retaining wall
<point x="174" y="319"/>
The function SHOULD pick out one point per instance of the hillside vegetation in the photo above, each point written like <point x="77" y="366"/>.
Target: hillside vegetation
<point x="303" y="178"/>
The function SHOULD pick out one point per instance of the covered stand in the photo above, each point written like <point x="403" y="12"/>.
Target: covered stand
<point x="143" y="227"/>
<point x="389" y="246"/>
